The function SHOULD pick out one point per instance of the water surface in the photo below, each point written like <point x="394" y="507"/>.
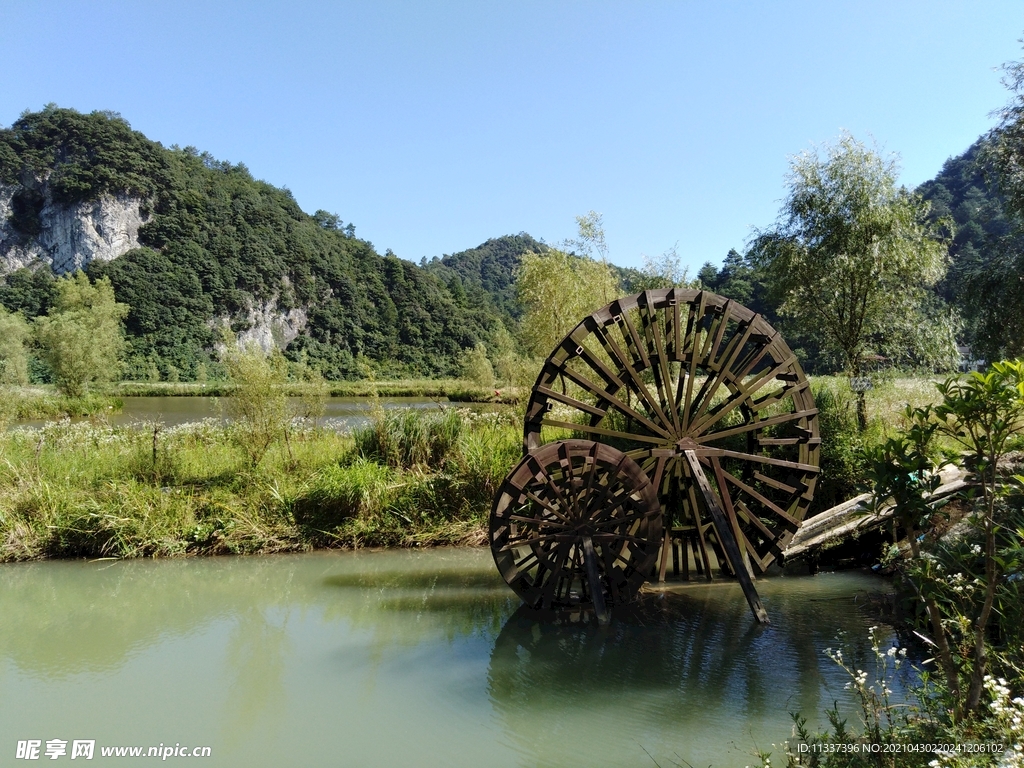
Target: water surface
<point x="340" y="412"/>
<point x="408" y="658"/>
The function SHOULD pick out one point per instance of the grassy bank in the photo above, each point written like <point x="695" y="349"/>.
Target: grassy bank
<point x="45" y="403"/>
<point x="90" y="490"/>
<point x="411" y="477"/>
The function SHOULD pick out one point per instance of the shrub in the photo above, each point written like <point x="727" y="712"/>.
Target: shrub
<point x="408" y="437"/>
<point x="476" y="367"/>
<point x="842" y="466"/>
<point x="258" y="404"/>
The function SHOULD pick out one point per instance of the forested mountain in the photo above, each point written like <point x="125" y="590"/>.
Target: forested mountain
<point x="193" y="245"/>
<point x="966" y="192"/>
<point x="217" y="247"/>
<point x="486" y="274"/>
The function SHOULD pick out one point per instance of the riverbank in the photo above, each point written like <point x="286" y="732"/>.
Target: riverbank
<point x="44" y="402"/>
<point x="456" y="390"/>
<point x="410" y="478"/>
<point x="92" y="490"/>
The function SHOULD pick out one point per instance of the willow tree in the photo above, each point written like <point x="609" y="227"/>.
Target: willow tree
<point x="557" y="290"/>
<point x="851" y="258"/>
<point x="82" y="337"/>
<point x="13" y="360"/>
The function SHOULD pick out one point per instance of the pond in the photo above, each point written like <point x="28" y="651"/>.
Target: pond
<point x="419" y="658"/>
<point x="340" y="412"/>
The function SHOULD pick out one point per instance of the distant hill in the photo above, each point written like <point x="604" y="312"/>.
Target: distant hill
<point x="487" y="273"/>
<point x="966" y="192"/>
<point x="193" y="244"/>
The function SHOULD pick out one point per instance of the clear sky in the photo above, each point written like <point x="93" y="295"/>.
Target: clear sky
<point x="433" y="126"/>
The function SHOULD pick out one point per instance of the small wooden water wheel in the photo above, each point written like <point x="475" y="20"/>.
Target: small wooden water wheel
<point x="701" y="394"/>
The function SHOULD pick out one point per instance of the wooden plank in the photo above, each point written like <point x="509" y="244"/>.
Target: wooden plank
<point x="774" y="483"/>
<point x="730" y="513"/>
<point x="726" y="539"/>
<point x="594" y="580"/>
<point x="761" y="498"/>
<point x="755" y="425"/>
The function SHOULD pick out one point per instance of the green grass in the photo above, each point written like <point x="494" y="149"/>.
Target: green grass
<point x="92" y="490"/>
<point x="410" y="477"/>
<point x="40" y="403"/>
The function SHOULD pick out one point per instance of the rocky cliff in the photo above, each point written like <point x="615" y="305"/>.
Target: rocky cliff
<point x="66" y="237"/>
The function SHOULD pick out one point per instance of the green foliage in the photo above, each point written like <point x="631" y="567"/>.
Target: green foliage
<point x="511" y="367"/>
<point x="14" y="333"/>
<point x="558" y="290"/>
<point x="852" y="257"/>
<point x="79" y="156"/>
<point x="983" y="412"/>
<point x="986" y="266"/>
<point x="81" y="338"/>
<point x="87" y="489"/>
<point x="218" y="245"/>
<point x="258" y="406"/>
<point x="1008" y="138"/>
<point x="340" y="493"/>
<point x="30" y="292"/>
<point x="590" y="240"/>
<point x="841" y="460"/>
<point x="476" y="367"/>
<point x="483" y="278"/>
<point x="406" y="437"/>
<point x="665" y="271"/>
<point x="903" y="471"/>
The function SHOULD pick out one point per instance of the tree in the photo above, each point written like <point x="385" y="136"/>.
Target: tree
<point x="851" y="256"/>
<point x="476" y="367"/>
<point x="665" y="271"/>
<point x="82" y="337"/>
<point x="512" y="366"/>
<point x="558" y="290"/>
<point x="258" y="405"/>
<point x="995" y="286"/>
<point x="1007" y="148"/>
<point x="589" y="236"/>
<point x="13" y="360"/>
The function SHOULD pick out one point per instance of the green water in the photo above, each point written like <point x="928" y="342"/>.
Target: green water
<point x="406" y="659"/>
<point x="339" y="412"/>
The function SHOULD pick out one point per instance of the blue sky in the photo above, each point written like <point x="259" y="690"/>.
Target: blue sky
<point x="433" y="126"/>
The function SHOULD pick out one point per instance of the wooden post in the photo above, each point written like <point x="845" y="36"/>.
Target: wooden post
<point x="726" y="538"/>
<point x="596" y="590"/>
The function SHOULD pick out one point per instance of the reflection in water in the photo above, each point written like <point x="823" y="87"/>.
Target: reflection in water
<point x="686" y="675"/>
<point x="256" y="653"/>
<point x="390" y="658"/>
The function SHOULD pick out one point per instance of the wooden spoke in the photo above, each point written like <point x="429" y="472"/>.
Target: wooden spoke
<point x="659" y="375"/>
<point x="752" y="426"/>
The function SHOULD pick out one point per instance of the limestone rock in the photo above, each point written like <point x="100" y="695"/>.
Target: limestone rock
<point x="269" y="327"/>
<point x="70" y="236"/>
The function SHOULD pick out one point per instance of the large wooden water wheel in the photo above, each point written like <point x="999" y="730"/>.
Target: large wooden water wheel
<point x="704" y="396"/>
